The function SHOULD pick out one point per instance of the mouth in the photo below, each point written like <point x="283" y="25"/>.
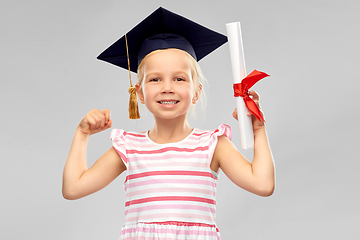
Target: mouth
<point x="167" y="102"/>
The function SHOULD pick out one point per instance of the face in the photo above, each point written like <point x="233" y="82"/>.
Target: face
<point x="167" y="89"/>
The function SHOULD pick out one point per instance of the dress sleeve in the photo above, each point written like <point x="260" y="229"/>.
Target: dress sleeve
<point x="117" y="137"/>
<point x="223" y="129"/>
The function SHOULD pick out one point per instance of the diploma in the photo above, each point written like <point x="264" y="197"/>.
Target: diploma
<point x="239" y="72"/>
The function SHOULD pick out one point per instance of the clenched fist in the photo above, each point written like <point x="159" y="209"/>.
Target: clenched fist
<point x="95" y="121"/>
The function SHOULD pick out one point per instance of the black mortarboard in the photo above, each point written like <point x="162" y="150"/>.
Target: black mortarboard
<point x="161" y="30"/>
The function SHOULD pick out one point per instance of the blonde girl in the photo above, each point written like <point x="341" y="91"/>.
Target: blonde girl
<point x="172" y="169"/>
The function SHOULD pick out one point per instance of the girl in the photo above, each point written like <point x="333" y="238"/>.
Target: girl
<point x="172" y="168"/>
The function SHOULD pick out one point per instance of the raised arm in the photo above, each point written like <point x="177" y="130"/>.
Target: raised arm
<point x="78" y="180"/>
<point x="258" y="176"/>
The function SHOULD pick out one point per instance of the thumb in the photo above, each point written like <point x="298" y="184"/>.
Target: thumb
<point x="234" y="114"/>
<point x="108" y="125"/>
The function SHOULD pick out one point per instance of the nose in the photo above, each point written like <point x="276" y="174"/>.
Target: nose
<point x="167" y="86"/>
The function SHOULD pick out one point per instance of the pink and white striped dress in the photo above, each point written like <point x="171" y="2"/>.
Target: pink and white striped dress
<point x="170" y="188"/>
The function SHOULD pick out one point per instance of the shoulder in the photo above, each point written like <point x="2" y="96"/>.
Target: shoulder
<point x="210" y="138"/>
<point x="223" y="129"/>
<point x="218" y="140"/>
<point x="121" y="135"/>
<point x="120" y="139"/>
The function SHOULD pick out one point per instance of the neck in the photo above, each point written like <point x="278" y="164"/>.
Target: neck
<point x="167" y="131"/>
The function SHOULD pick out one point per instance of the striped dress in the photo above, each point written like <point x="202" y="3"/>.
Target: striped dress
<point x="170" y="188"/>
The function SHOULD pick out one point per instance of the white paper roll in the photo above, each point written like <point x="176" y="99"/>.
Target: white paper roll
<point x="239" y="72"/>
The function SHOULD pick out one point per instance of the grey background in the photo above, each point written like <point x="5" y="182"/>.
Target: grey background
<point x="50" y="79"/>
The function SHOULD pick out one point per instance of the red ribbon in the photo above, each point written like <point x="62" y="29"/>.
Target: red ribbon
<point x="242" y="90"/>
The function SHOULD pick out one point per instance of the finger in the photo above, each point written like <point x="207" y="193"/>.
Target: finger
<point x="108" y="125"/>
<point x="101" y="118"/>
<point x="254" y="95"/>
<point x="234" y="114"/>
<point x="90" y="121"/>
<point x="107" y="115"/>
<point x="97" y="117"/>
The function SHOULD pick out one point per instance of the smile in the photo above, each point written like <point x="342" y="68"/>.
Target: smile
<point x="168" y="102"/>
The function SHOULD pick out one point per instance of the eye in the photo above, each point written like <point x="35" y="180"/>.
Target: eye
<point x="179" y="79"/>
<point x="154" y="80"/>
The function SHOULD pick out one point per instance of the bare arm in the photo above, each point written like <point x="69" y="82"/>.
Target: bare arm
<point x="257" y="177"/>
<point x="78" y="180"/>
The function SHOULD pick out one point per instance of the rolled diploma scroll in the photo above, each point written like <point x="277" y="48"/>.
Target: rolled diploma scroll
<point x="239" y="72"/>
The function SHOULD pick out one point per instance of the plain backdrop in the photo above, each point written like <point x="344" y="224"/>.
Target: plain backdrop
<point x="50" y="78"/>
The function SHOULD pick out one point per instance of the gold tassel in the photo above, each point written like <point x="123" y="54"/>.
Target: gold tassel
<point x="133" y="104"/>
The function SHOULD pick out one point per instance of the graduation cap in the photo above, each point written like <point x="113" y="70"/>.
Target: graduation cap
<point x="161" y="30"/>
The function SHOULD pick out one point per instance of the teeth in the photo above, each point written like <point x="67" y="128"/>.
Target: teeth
<point x="168" y="102"/>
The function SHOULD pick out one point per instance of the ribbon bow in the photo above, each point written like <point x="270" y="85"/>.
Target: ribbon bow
<point x="242" y="90"/>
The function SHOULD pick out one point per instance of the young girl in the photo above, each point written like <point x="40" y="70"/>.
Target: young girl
<point x="172" y="168"/>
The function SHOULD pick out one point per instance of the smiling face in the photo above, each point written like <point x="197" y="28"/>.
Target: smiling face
<point x="167" y="88"/>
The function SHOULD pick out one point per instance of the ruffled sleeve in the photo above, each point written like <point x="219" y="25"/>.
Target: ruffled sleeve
<point x="117" y="137"/>
<point x="223" y="129"/>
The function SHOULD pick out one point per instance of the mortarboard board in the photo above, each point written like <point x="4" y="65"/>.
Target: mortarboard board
<point x="161" y="30"/>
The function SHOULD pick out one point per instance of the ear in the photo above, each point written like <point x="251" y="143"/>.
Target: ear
<point x="197" y="93"/>
<point x="139" y="93"/>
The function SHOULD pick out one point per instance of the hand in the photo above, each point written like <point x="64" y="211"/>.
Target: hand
<point x="256" y="124"/>
<point x="95" y="121"/>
